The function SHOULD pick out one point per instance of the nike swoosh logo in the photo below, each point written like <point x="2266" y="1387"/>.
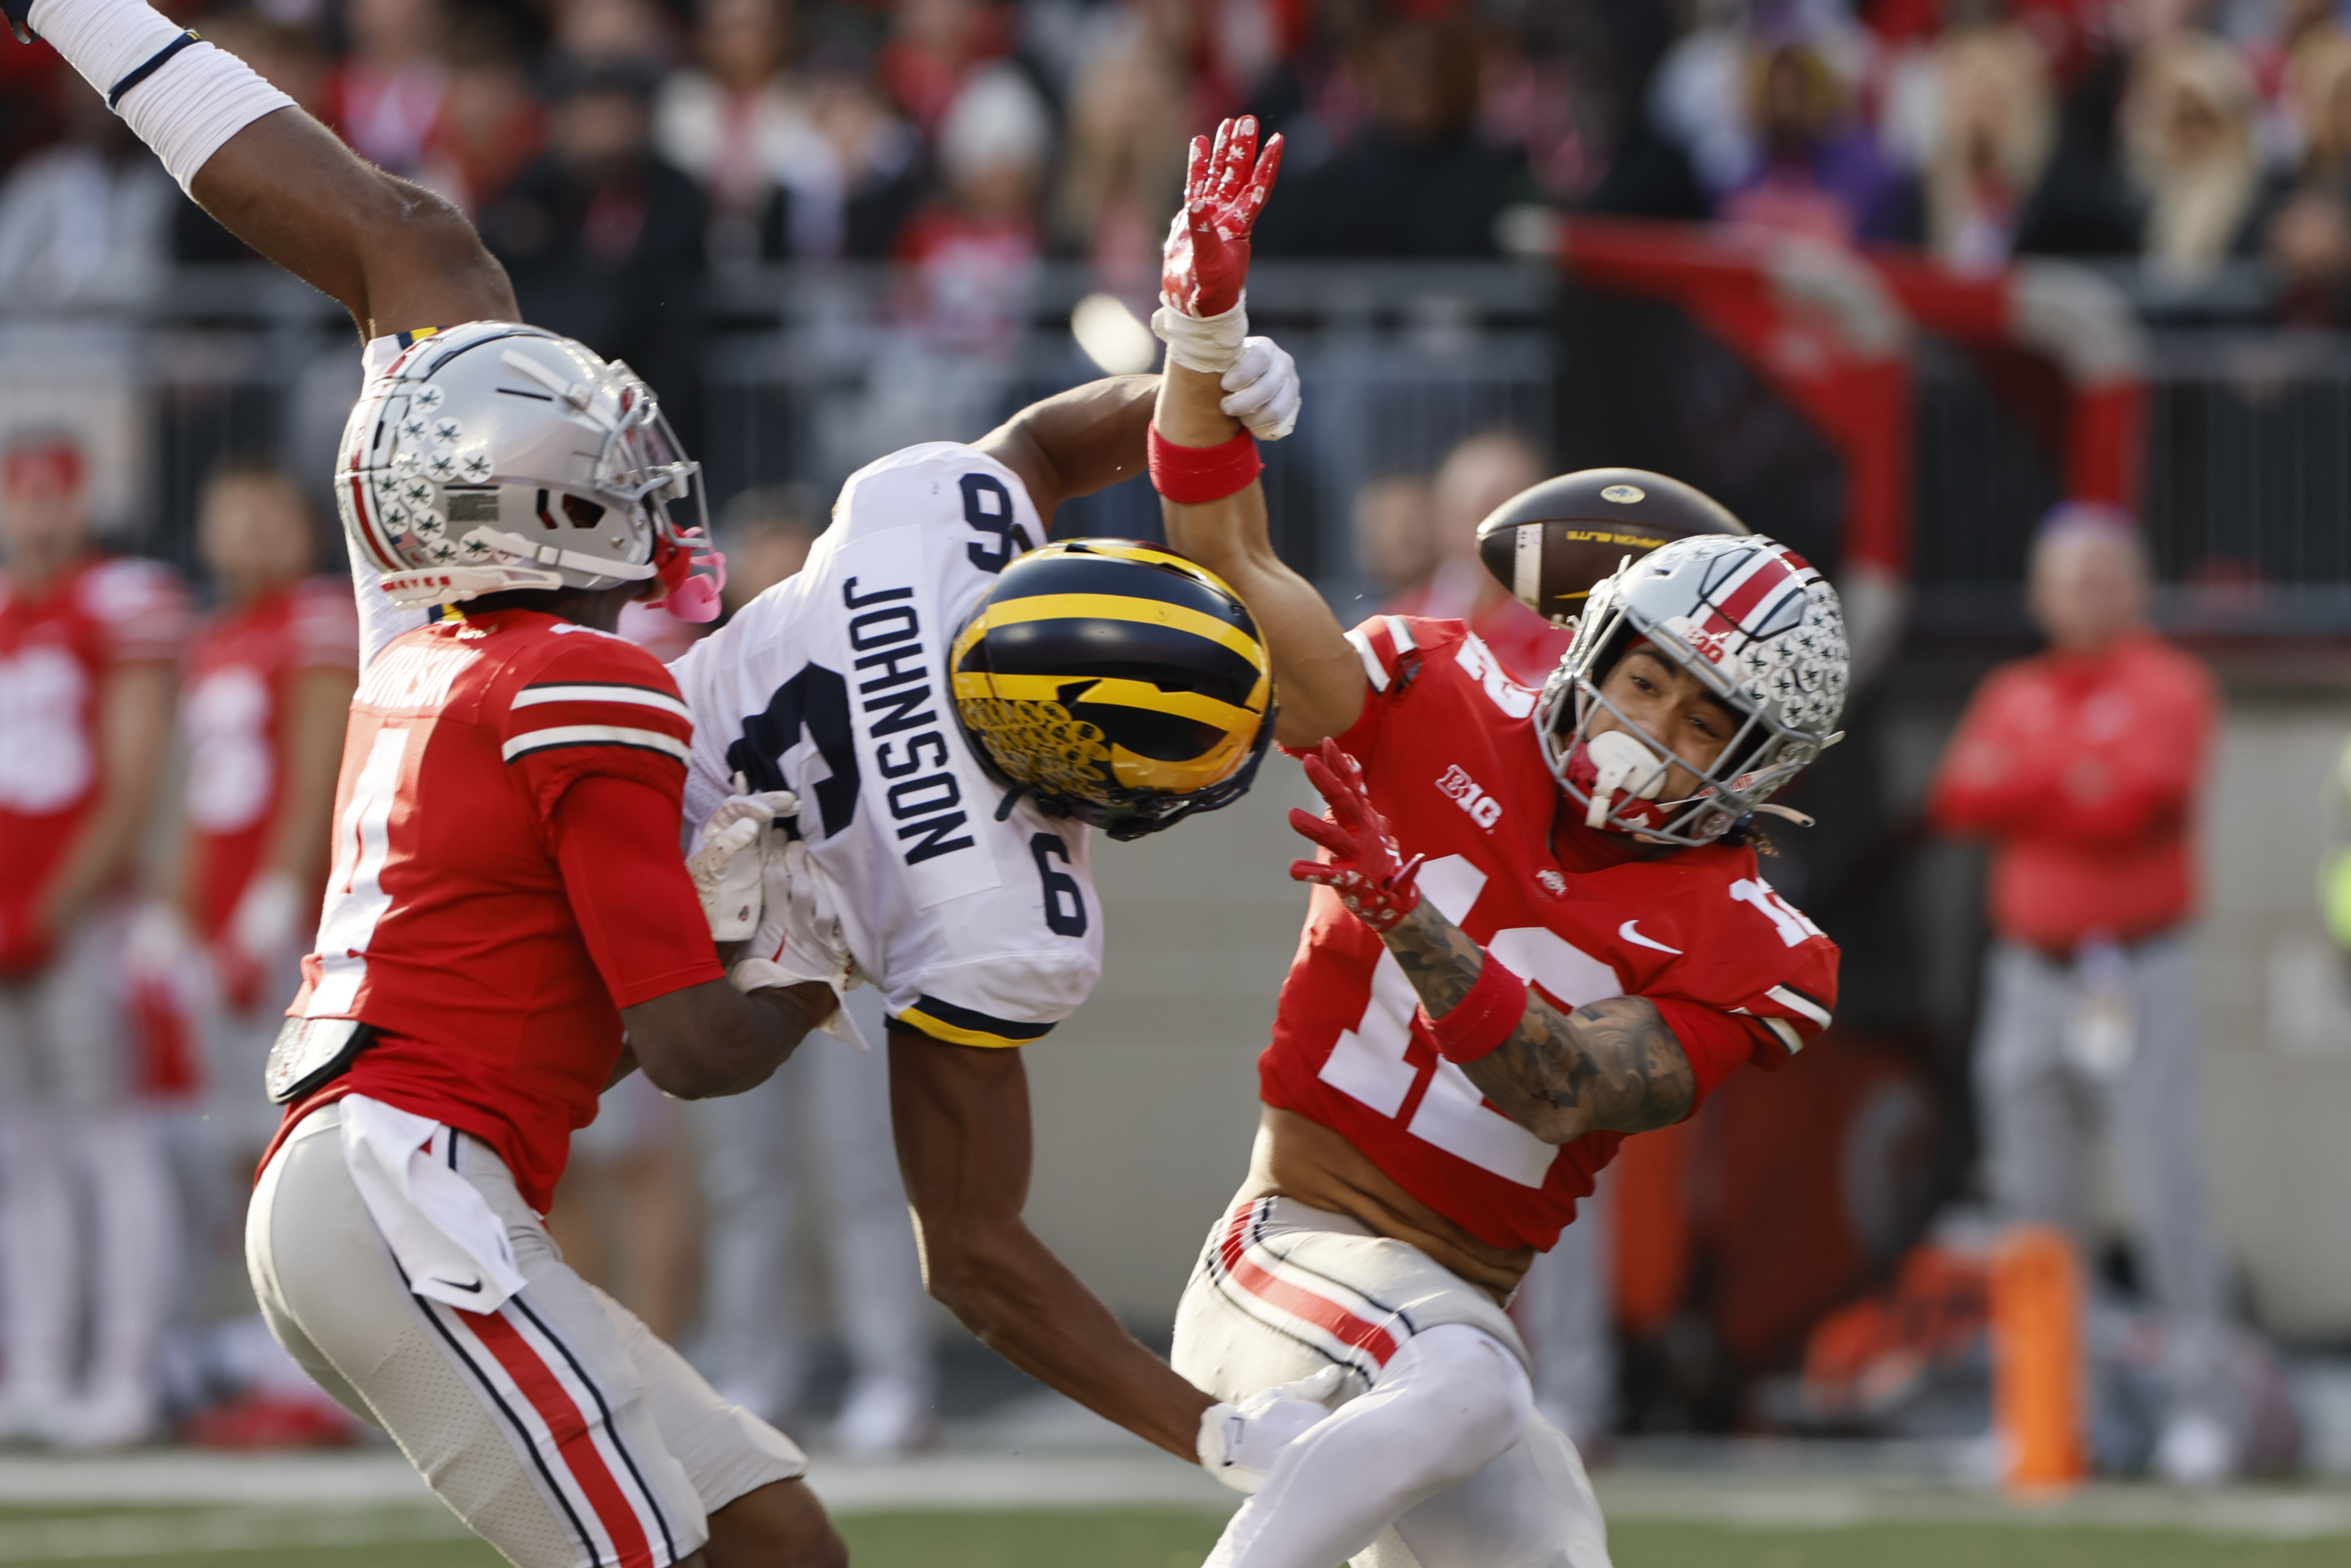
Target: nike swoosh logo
<point x="1626" y="932"/>
<point x="476" y="1287"/>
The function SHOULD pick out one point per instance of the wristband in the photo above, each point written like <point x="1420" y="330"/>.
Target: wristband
<point x="1484" y="1018"/>
<point x="1195" y="475"/>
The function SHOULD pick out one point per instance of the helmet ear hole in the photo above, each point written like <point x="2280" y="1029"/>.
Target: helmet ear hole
<point x="583" y="512"/>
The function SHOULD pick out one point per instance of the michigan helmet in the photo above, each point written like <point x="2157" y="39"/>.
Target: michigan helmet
<point x="494" y="456"/>
<point x="1551" y="542"/>
<point x="1758" y="625"/>
<point x="1116" y="684"/>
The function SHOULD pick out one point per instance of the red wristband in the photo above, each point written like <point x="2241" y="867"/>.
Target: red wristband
<point x="1484" y="1018"/>
<point x="1195" y="475"/>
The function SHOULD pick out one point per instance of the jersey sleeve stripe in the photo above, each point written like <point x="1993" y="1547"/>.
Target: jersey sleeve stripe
<point x="602" y="692"/>
<point x="1785" y="1032"/>
<point x="1370" y="658"/>
<point x="1797" y="1002"/>
<point x="1400" y="635"/>
<point x="963" y="1026"/>
<point x="562" y="735"/>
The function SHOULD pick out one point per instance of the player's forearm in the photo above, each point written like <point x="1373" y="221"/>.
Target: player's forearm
<point x="134" y="724"/>
<point x="1609" y="1064"/>
<point x="1315" y="670"/>
<point x="708" y="1041"/>
<point x="1078" y="441"/>
<point x="1007" y="1287"/>
<point x="397" y="256"/>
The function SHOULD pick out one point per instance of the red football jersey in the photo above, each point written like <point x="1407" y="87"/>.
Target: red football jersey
<point x="54" y="653"/>
<point x="1452" y="759"/>
<point x="231" y="710"/>
<point x="447" y="923"/>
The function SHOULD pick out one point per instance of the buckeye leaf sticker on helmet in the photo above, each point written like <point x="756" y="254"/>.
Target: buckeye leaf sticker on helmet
<point x="1116" y="684"/>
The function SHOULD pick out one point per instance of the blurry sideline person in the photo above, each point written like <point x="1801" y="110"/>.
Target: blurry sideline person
<point x="2187" y="135"/>
<point x="89" y="1228"/>
<point x="805" y="1162"/>
<point x="386" y="95"/>
<point x="85" y="225"/>
<point x="603" y="238"/>
<point x="492" y="125"/>
<point x="1477" y="476"/>
<point x="266" y="688"/>
<point x="508" y="925"/>
<point x="2083" y="766"/>
<point x="1431" y="1122"/>
<point x="1395" y="542"/>
<point x="1418" y="180"/>
<point x="1816" y="171"/>
<point x="740" y="125"/>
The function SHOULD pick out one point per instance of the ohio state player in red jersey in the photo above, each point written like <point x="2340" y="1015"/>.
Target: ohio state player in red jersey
<point x="1431" y="1119"/>
<point x="86" y="648"/>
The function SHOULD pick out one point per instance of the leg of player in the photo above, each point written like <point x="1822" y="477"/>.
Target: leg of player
<point x="1449" y="1402"/>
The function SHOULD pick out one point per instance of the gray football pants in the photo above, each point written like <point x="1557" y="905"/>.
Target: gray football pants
<point x="810" y="1147"/>
<point x="2043" y="1111"/>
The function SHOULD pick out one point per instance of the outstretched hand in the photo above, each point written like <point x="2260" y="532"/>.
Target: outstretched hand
<point x="1207" y="254"/>
<point x="1366" y="869"/>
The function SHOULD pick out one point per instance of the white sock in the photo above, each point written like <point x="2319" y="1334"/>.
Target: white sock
<point x="1447" y="1404"/>
<point x="135" y="1275"/>
<point x="40" y="1273"/>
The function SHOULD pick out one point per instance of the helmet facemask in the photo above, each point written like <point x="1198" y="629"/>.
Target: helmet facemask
<point x="1620" y="774"/>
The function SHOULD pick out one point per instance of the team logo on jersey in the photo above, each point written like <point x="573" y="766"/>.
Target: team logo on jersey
<point x="1457" y="786"/>
<point x="1553" y="882"/>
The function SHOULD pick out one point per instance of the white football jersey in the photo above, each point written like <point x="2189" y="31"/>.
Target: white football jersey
<point x="834" y="684"/>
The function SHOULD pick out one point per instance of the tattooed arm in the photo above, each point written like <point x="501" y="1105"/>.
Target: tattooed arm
<point x="1609" y="1064"/>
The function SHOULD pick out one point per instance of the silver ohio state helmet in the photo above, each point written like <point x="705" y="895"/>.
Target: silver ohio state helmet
<point x="494" y="456"/>
<point x="1750" y="619"/>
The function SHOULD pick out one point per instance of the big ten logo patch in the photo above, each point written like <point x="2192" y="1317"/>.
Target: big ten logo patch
<point x="1463" y="791"/>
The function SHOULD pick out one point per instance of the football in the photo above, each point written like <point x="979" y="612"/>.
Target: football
<point x="1551" y="542"/>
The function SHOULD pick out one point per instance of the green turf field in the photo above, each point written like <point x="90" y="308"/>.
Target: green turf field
<point x="411" y="1538"/>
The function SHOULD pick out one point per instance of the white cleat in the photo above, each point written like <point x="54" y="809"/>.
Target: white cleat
<point x="108" y="1419"/>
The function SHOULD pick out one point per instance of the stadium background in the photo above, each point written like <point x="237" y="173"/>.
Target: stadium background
<point x="1803" y="368"/>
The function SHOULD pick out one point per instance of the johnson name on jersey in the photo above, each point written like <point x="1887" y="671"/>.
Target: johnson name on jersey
<point x="834" y="684"/>
<point x="1452" y="760"/>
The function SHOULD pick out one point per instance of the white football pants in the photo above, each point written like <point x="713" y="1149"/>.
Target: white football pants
<point x="87" y="1221"/>
<point x="1435" y="1459"/>
<point x="812" y="1147"/>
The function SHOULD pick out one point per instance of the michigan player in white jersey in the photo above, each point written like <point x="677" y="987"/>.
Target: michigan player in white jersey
<point x="953" y="701"/>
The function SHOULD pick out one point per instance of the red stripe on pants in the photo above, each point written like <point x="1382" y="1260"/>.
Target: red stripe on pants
<point x="575" y="1441"/>
<point x="1303" y="1304"/>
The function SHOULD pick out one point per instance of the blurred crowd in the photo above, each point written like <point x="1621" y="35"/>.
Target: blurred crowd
<point x="616" y="150"/>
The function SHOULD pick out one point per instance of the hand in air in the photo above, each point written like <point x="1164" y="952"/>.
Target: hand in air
<point x="1207" y="254"/>
<point x="1366" y="870"/>
<point x="1239" y="1444"/>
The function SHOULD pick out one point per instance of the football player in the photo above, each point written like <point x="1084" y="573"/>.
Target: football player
<point x="1540" y="927"/>
<point x="506" y="896"/>
<point x="955" y="702"/>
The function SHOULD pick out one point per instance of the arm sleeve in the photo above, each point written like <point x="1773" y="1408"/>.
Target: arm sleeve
<point x="599" y="706"/>
<point x="1717" y="1043"/>
<point x="616" y="841"/>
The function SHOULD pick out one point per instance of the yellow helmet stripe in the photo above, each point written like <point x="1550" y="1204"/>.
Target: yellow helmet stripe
<point x="1111" y="693"/>
<point x="1182" y="778"/>
<point x="1112" y="607"/>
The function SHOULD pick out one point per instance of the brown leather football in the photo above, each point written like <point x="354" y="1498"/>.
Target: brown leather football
<point x="1551" y="542"/>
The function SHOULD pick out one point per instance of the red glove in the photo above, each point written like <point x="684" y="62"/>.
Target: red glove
<point x="1207" y="255"/>
<point x="1366" y="870"/>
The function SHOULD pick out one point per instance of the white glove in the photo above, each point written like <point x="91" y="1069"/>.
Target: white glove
<point x="798" y="938"/>
<point x="727" y="864"/>
<point x="263" y="927"/>
<point x="1263" y="384"/>
<point x="1238" y="1444"/>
